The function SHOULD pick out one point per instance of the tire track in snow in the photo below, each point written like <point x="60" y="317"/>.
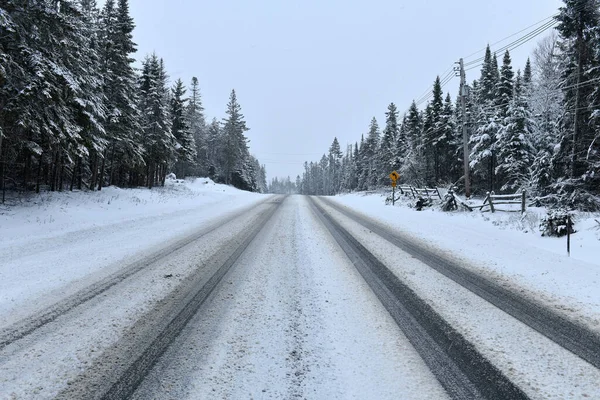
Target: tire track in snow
<point x="28" y="325"/>
<point x="568" y="334"/>
<point x="293" y="319"/>
<point x="462" y="371"/>
<point x="120" y="369"/>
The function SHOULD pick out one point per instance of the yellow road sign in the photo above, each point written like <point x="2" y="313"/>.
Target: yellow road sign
<point x="394" y="176"/>
<point x="393" y="183"/>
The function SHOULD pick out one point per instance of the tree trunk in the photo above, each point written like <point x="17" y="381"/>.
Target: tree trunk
<point x="79" y="173"/>
<point x="61" y="172"/>
<point x="150" y="175"/>
<point x="112" y="163"/>
<point x="73" y="175"/>
<point x="26" y="168"/>
<point x="101" y="180"/>
<point x="2" y="182"/>
<point x="54" y="173"/>
<point x="39" y="174"/>
<point x="94" y="171"/>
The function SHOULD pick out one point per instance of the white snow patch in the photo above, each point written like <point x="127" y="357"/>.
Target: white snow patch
<point x="52" y="240"/>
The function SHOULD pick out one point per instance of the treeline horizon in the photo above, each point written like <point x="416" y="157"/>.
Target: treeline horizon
<point x="535" y="129"/>
<point x="76" y="114"/>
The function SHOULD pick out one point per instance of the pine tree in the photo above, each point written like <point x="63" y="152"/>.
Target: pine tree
<point x="216" y="152"/>
<point x="389" y="146"/>
<point x="123" y="122"/>
<point x="449" y="144"/>
<point x="235" y="143"/>
<point x="159" y="142"/>
<point x="186" y="146"/>
<point x="527" y="74"/>
<point x="197" y="124"/>
<point x="334" y="174"/>
<point x="505" y="86"/>
<point x="488" y="80"/>
<point x="413" y="167"/>
<point x="482" y="159"/>
<point x="579" y="152"/>
<point x="434" y="140"/>
<point x="370" y="159"/>
<point x="546" y="103"/>
<point x="515" y="149"/>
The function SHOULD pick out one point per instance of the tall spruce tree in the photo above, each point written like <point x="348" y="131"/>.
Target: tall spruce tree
<point x="579" y="153"/>
<point x="369" y="157"/>
<point x="186" y="146"/>
<point x="335" y="167"/>
<point x="197" y="124"/>
<point x="482" y="158"/>
<point x="413" y="167"/>
<point x="235" y="143"/>
<point x="388" y="150"/>
<point x="159" y="142"/>
<point x="123" y="121"/>
<point x="515" y="149"/>
<point x="505" y="86"/>
<point x="434" y="141"/>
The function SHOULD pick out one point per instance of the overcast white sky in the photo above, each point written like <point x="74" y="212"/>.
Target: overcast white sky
<point x="308" y="70"/>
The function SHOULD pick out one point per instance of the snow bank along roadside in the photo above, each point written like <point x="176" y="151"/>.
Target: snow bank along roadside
<point x="51" y="213"/>
<point x="509" y="248"/>
<point x="56" y="239"/>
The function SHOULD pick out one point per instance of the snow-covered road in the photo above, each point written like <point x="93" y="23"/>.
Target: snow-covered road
<point x="258" y="297"/>
<point x="294" y="319"/>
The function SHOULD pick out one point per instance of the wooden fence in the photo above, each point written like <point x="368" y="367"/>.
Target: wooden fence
<point x="492" y="201"/>
<point x="417" y="192"/>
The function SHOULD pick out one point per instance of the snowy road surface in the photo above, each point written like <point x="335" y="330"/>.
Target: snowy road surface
<point x="266" y="300"/>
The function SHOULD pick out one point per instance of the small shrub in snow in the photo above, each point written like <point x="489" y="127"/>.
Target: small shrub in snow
<point x="556" y="223"/>
<point x="422" y="202"/>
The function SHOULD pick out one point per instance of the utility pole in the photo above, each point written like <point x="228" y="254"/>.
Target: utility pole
<point x="463" y="104"/>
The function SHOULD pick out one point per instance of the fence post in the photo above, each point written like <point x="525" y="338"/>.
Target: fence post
<point x="523" y="202"/>
<point x="489" y="196"/>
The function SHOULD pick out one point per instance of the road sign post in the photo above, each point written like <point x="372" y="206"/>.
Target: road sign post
<point x="394" y="177"/>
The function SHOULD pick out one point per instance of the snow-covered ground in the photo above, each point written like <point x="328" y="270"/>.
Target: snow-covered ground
<point x="507" y="246"/>
<point x="54" y="243"/>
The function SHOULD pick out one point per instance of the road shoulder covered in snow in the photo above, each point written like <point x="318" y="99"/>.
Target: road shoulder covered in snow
<point x="54" y="243"/>
<point x="506" y="247"/>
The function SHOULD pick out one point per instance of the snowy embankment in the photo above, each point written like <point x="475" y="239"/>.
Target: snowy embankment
<point x="508" y="247"/>
<point x="54" y="240"/>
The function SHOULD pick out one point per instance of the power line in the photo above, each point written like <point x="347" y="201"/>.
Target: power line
<point x="513" y="45"/>
<point x="546" y="24"/>
<point x="508" y="37"/>
<point x="445" y="75"/>
<point x="430" y="93"/>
